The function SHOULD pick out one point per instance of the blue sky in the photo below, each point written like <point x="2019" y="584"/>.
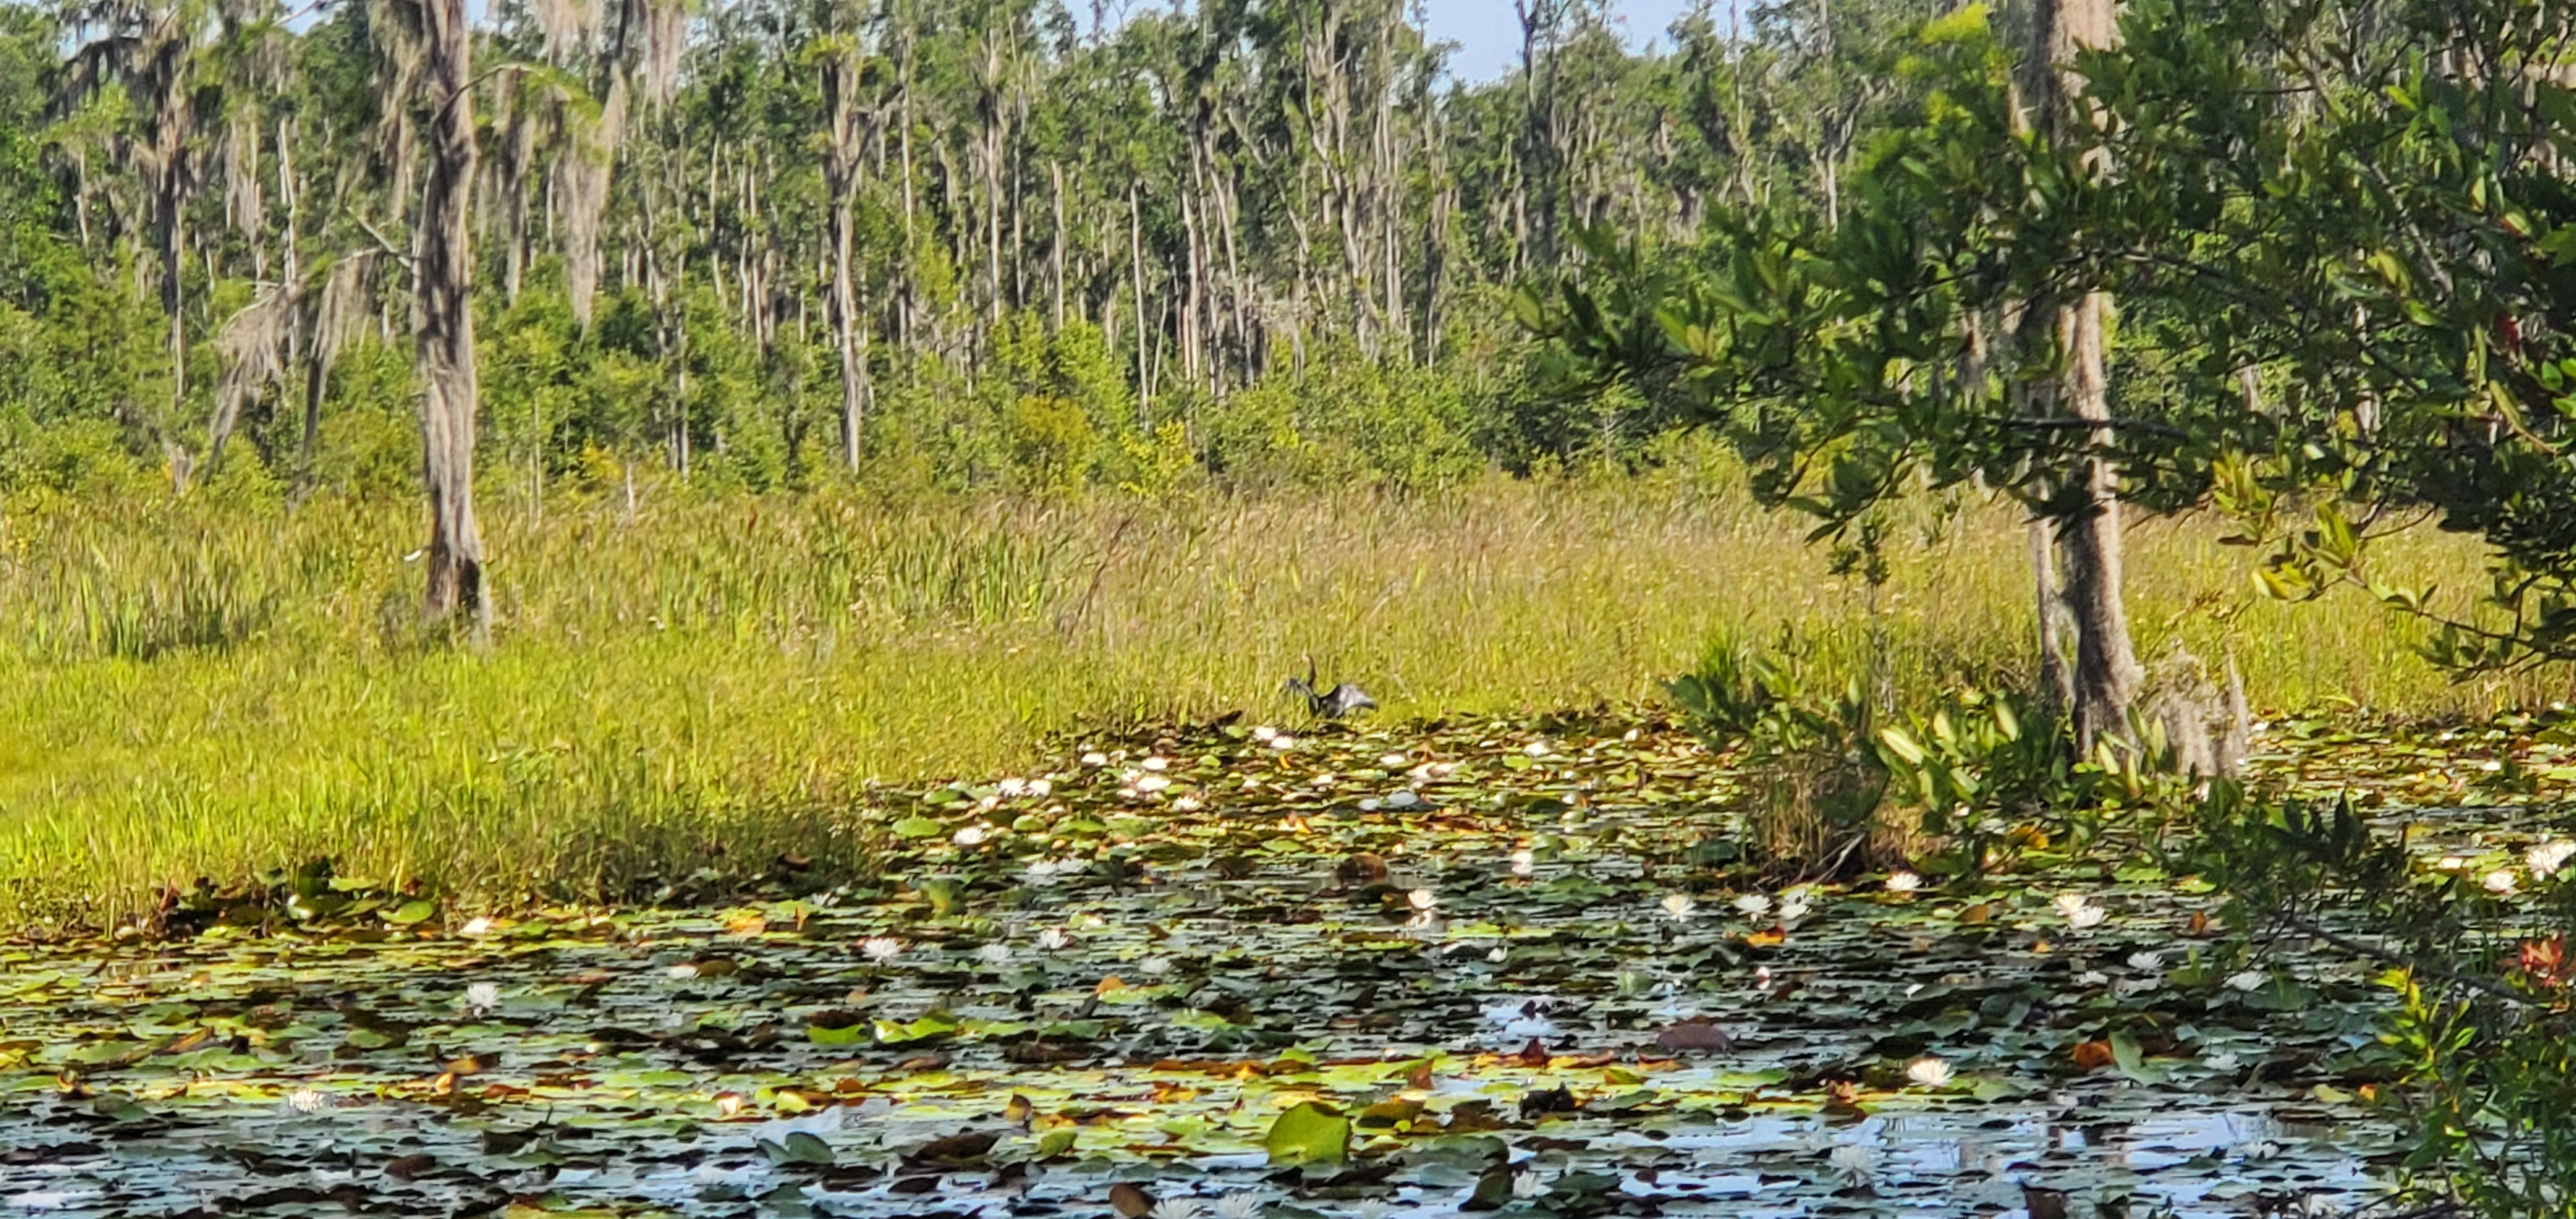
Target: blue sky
<point x="1489" y="39"/>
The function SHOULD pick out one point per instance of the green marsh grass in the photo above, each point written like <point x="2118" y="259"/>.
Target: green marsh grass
<point x="189" y="688"/>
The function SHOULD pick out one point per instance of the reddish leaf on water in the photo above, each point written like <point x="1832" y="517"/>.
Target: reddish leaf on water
<point x="956" y="1148"/>
<point x="1390" y="1112"/>
<point x="1694" y="1035"/>
<point x="1130" y="1201"/>
<point x="409" y="1167"/>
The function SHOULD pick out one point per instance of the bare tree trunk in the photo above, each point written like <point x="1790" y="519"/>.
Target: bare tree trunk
<point x="1055" y="174"/>
<point x="842" y="161"/>
<point x="444" y="350"/>
<point x="2056" y="675"/>
<point x="1136" y="276"/>
<point x="2106" y="674"/>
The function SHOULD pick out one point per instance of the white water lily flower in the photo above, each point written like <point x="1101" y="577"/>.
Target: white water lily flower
<point x="1038" y="788"/>
<point x="2080" y="912"/>
<point x="1154" y="966"/>
<point x="2499" y="881"/>
<point x="2092" y="977"/>
<point x="2451" y="863"/>
<point x="1264" y="732"/>
<point x="1152" y="783"/>
<point x="1370" y="804"/>
<point x="482" y="996"/>
<point x="972" y="836"/>
<point x="1175" y="1208"/>
<point x="1187" y="804"/>
<point x="1794" y="905"/>
<point x="1928" y="1072"/>
<point x="1422" y="899"/>
<point x="1054" y="939"/>
<point x="882" y="949"/>
<point x="1039" y="872"/>
<point x="1524" y="862"/>
<point x="1095" y="758"/>
<point x="1903" y="882"/>
<point x="2545" y="859"/>
<point x="1011" y="789"/>
<point x="2147" y="962"/>
<point x="479" y="925"/>
<point x="683" y="970"/>
<point x="1857" y="1160"/>
<point x="1679" y="906"/>
<point x="994" y="954"/>
<point x="2249" y="981"/>
<point x="1402" y="798"/>
<point x="1238" y="1206"/>
<point x="1527" y="1185"/>
<point x="308" y="1101"/>
<point x="1157" y="763"/>
<point x="1283" y="742"/>
<point x="1753" y="905"/>
<point x="1392" y="760"/>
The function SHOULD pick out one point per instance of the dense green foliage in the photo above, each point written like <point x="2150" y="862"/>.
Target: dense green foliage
<point x="2337" y="239"/>
<point x="1254" y="242"/>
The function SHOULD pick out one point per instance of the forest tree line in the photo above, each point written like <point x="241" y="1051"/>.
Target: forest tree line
<point x="947" y="243"/>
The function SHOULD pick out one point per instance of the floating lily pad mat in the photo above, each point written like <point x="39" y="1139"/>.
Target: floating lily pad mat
<point x="1488" y="967"/>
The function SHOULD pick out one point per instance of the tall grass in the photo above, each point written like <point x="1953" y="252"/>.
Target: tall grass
<point x="189" y="688"/>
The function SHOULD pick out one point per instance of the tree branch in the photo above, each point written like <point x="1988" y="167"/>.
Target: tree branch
<point x="2376" y="953"/>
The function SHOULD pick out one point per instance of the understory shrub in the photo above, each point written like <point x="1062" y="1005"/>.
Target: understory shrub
<point x="1818" y="785"/>
<point x="2477" y="1050"/>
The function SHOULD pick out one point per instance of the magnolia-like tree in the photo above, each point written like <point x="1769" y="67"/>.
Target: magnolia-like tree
<point x="2345" y="304"/>
<point x="1940" y="326"/>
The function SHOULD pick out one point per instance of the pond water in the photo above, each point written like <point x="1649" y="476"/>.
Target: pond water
<point x="1498" y="950"/>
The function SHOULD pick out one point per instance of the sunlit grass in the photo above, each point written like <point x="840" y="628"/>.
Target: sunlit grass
<point x="193" y="689"/>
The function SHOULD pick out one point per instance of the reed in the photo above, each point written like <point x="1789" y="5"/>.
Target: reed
<point x="191" y="687"/>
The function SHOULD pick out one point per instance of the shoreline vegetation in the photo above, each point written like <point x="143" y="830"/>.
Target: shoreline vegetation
<point x="212" y="686"/>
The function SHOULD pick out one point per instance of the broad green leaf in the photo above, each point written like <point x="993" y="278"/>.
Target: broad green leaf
<point x="1311" y="1133"/>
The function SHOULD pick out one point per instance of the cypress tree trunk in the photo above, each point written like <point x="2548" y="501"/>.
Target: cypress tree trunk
<point x="2106" y="671"/>
<point x="2103" y="674"/>
<point x="444" y="351"/>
